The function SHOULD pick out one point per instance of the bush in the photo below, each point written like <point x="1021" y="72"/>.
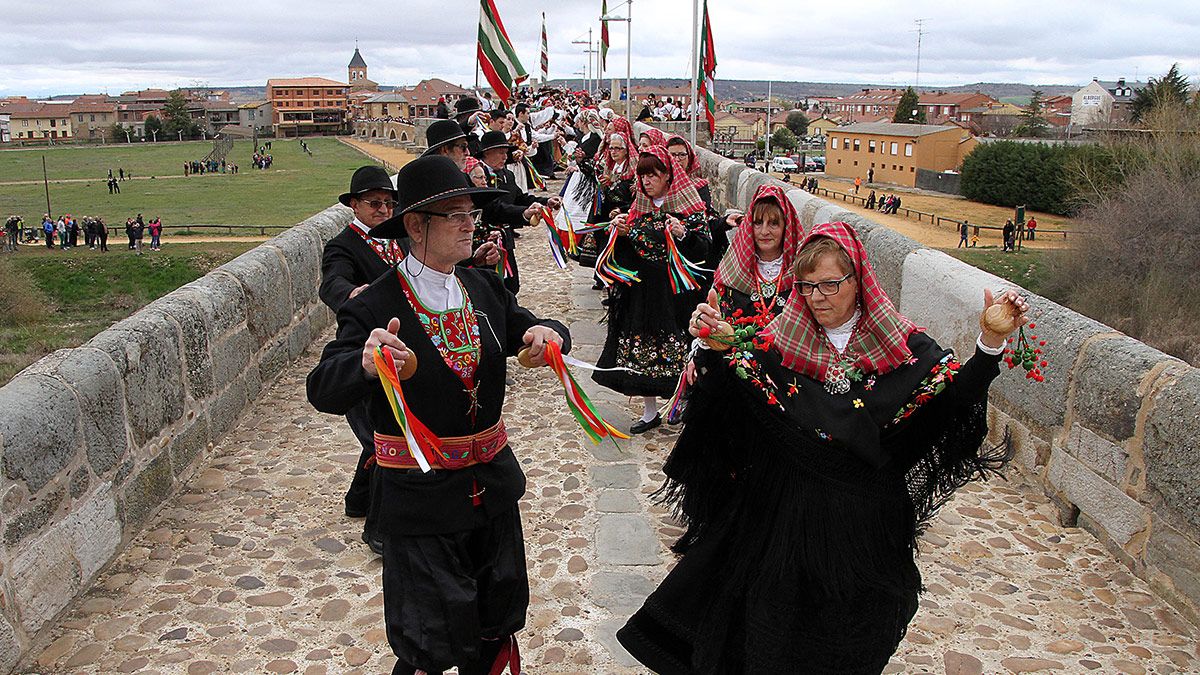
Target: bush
<point x="22" y="302"/>
<point x="1008" y="173"/>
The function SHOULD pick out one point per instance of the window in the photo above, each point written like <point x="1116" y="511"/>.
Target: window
<point x="80" y="118"/>
<point x="871" y="146"/>
<point x="53" y="123"/>
<point x="908" y="149"/>
<point x="833" y="143"/>
<point x="857" y="146"/>
<point x="912" y="169"/>
<point x="895" y="149"/>
<point x="93" y="118"/>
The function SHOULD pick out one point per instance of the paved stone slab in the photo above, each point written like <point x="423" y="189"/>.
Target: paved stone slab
<point x="626" y="539"/>
<point x="618" y="501"/>
<point x="622" y="592"/>
<point x="616" y="476"/>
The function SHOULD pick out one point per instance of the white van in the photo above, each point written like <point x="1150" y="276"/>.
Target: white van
<point x="783" y="165"/>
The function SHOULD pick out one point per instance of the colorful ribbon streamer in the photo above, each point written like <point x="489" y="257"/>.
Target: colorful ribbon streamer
<point x="680" y="268"/>
<point x="607" y="268"/>
<point x="581" y="407"/>
<point x="416" y="434"/>
<point x="673" y="409"/>
<point x="538" y="182"/>
<point x="556" y="246"/>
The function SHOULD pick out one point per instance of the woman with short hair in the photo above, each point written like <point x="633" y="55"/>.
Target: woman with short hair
<point x="815" y="452"/>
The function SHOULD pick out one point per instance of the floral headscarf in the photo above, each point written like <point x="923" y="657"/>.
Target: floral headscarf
<point x="880" y="340"/>
<point x="739" y="265"/>
<point x="681" y="198"/>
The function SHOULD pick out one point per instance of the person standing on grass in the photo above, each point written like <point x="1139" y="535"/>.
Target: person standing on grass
<point x="137" y="231"/>
<point x="102" y="234"/>
<point x="857" y="183"/>
<point x="1009" y="231"/>
<point x="1031" y="228"/>
<point x="11" y="229"/>
<point x="61" y="228"/>
<point x="964" y="229"/>
<point x="155" y="233"/>
<point x="48" y="230"/>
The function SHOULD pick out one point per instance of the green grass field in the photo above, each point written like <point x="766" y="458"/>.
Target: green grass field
<point x="55" y="299"/>
<point x="1028" y="267"/>
<point x="295" y="187"/>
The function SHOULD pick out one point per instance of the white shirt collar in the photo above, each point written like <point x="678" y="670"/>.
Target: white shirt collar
<point x="840" y="336"/>
<point x="769" y="269"/>
<point x="438" y="291"/>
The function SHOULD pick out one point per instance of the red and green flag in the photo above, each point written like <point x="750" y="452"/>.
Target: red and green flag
<point x="706" y="86"/>
<point x="603" y="36"/>
<point x="545" y="57"/>
<point x="497" y="58"/>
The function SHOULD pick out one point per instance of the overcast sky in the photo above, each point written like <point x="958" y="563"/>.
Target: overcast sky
<point x="86" y="46"/>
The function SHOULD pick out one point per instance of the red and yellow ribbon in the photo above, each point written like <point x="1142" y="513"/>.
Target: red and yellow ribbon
<point x="680" y="267"/>
<point x="607" y="268"/>
<point x="596" y="428"/>
<point x="419" y="438"/>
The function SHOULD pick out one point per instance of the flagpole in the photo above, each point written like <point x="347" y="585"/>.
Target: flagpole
<point x="695" y="69"/>
<point x="628" y="62"/>
<point x="477" y="25"/>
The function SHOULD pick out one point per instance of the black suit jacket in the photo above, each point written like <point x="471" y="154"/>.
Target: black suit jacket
<point x="347" y="263"/>
<point x="413" y="503"/>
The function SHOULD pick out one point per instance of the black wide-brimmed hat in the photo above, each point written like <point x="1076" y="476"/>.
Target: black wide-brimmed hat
<point x="365" y="179"/>
<point x="465" y="105"/>
<point x="493" y="139"/>
<point x="440" y="133"/>
<point x="422" y="182"/>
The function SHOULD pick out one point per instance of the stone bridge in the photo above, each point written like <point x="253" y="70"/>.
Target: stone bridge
<point x="179" y="510"/>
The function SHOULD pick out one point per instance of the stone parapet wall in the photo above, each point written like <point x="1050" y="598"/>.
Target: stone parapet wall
<point x="94" y="439"/>
<point x="1112" y="435"/>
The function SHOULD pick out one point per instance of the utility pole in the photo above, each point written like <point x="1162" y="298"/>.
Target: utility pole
<point x="920" y="33"/>
<point x="768" y="157"/>
<point x="46" y="184"/>
<point x="694" y="67"/>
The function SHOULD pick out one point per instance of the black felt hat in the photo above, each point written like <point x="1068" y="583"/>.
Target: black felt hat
<point x="422" y="182"/>
<point x="365" y="179"/>
<point x="466" y="105"/>
<point x="493" y="139"/>
<point x="440" y="133"/>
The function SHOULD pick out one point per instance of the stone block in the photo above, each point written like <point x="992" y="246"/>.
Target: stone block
<point x="299" y="337"/>
<point x="329" y="222"/>
<point x="621" y="476"/>
<point x="617" y="501"/>
<point x="748" y="184"/>
<point x="94" y="531"/>
<point x="145" y="492"/>
<point x="80" y="481"/>
<point x="223" y="300"/>
<point x="626" y="539"/>
<point x="22" y="525"/>
<point x="273" y="359"/>
<point x="146" y="349"/>
<point x="1119" y="515"/>
<point x="621" y="592"/>
<point x="1099" y="454"/>
<point x="953" y="320"/>
<point x="10" y="645"/>
<point x="831" y="212"/>
<point x="301" y="248"/>
<point x="588" y="333"/>
<point x="40" y="431"/>
<point x="808" y="213"/>
<point x="188" y="442"/>
<point x="263" y="276"/>
<point x="606" y="635"/>
<point x="49" y="579"/>
<point x="731" y="178"/>
<point x="800" y="199"/>
<point x="190" y="313"/>
<point x="1178" y="558"/>
<point x="1107" y="381"/>
<point x="224" y="409"/>
<point x="1171" y="448"/>
<point x="887" y="250"/>
<point x="99" y="391"/>
<point x="230" y="355"/>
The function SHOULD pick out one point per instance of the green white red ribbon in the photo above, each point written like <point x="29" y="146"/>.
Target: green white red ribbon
<point x="416" y="434"/>
<point x="607" y="268"/>
<point x="595" y="426"/>
<point x="680" y="268"/>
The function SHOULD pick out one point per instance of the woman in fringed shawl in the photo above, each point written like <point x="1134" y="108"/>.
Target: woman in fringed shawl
<point x="718" y="226"/>
<point x="806" y="472"/>
<point x="647" y="319"/>
<point x="620" y="163"/>
<point x="581" y="197"/>
<point x="756" y="276"/>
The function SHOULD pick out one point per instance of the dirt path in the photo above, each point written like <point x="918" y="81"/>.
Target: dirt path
<point x="393" y="156"/>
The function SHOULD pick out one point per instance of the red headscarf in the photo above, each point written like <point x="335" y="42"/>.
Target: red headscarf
<point x="693" y="165"/>
<point x="879" y="344"/>
<point x="681" y="198"/>
<point x="622" y="128"/>
<point x="656" y="137"/>
<point x="739" y="265"/>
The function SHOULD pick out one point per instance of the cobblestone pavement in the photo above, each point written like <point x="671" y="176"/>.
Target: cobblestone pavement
<point x="255" y="569"/>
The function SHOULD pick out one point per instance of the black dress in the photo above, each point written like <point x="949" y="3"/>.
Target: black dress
<point x="803" y="510"/>
<point x="647" y="322"/>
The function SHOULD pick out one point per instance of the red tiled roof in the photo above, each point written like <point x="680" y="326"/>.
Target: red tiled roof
<point x="304" y="82"/>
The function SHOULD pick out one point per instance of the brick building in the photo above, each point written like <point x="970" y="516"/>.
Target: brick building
<point x="307" y="105"/>
<point x="424" y="95"/>
<point x="895" y="151"/>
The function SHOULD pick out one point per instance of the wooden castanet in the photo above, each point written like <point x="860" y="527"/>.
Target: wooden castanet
<point x="724" y="331"/>
<point x="409" y="368"/>
<point x="526" y="360"/>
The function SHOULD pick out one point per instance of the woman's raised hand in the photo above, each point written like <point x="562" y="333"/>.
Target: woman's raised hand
<point x="1001" y="316"/>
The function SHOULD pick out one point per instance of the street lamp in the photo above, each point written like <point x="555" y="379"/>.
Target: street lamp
<point x="589" y="51"/>
<point x="628" y="19"/>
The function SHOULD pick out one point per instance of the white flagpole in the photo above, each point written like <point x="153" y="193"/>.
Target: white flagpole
<point x="695" y="68"/>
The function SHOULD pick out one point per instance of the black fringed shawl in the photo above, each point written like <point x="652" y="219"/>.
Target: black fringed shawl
<point x="795" y="498"/>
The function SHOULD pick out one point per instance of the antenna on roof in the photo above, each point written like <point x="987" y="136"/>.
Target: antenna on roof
<point x="920" y="33"/>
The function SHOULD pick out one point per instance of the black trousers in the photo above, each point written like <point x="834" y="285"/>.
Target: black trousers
<point x="359" y="495"/>
<point x="451" y="599"/>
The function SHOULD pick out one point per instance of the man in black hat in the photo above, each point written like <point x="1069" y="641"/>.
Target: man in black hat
<point x="351" y="261"/>
<point x="454" y="578"/>
<point x="466" y="113"/>
<point x="446" y="137"/>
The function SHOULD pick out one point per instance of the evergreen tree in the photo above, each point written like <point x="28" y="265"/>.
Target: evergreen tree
<point x="907" y="110"/>
<point x="1169" y="91"/>
<point x="783" y="139"/>
<point x="1033" y="121"/>
<point x="152" y="124"/>
<point x="177" y="118"/>
<point x="797" y="123"/>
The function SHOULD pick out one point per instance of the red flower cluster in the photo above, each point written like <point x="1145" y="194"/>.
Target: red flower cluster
<point x="1026" y="352"/>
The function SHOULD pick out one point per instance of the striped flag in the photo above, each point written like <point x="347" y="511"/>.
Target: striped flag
<point x="497" y="58"/>
<point x="603" y="37"/>
<point x="706" y="89"/>
<point x="545" y="52"/>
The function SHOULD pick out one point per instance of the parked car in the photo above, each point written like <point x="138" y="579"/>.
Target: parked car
<point x="819" y="162"/>
<point x="783" y="165"/>
<point x="750" y="160"/>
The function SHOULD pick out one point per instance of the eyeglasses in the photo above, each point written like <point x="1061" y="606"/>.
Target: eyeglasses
<point x="829" y="287"/>
<point x="458" y="217"/>
<point x="460" y="146"/>
<point x="682" y="156"/>
<point x="389" y="204"/>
